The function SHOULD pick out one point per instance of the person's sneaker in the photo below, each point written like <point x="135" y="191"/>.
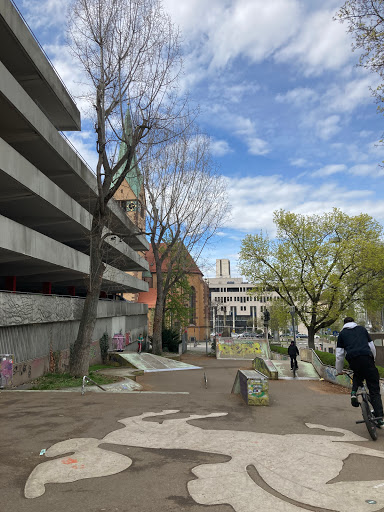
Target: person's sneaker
<point x="354" y="400"/>
<point x="380" y="423"/>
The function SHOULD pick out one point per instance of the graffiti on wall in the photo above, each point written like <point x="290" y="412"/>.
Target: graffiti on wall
<point x="6" y="369"/>
<point x="258" y="392"/>
<point x="22" y="369"/>
<point x="248" y="350"/>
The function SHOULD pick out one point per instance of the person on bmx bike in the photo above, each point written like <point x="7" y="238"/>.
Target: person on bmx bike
<point x="355" y="344"/>
<point x="293" y="352"/>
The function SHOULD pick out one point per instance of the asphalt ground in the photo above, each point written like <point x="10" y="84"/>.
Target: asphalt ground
<point x="157" y="479"/>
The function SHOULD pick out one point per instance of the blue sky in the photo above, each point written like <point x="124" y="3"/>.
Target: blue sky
<point x="292" y="120"/>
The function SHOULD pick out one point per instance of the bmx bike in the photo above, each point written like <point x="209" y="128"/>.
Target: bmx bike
<point x="294" y="368"/>
<point x="366" y="408"/>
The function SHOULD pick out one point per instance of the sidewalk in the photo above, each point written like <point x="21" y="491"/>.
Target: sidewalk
<point x="232" y="458"/>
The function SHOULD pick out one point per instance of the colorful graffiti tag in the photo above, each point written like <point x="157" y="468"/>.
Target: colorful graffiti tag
<point x="247" y="350"/>
<point x="6" y="370"/>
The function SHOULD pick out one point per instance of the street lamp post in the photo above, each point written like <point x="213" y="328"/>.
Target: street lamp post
<point x="267" y="317"/>
<point x="292" y="311"/>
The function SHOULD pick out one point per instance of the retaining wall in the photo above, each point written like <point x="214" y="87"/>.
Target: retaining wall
<point x="39" y="329"/>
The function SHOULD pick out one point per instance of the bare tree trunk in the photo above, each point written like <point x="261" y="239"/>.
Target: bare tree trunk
<point x="79" y="363"/>
<point x="157" y="342"/>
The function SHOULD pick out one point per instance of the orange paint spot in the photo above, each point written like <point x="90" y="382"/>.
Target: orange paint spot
<point x="68" y="461"/>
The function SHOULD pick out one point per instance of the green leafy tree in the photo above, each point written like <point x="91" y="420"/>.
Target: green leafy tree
<point x="318" y="263"/>
<point x="280" y="316"/>
<point x="374" y="304"/>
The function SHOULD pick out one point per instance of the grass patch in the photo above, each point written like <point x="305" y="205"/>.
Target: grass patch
<point x="64" y="380"/>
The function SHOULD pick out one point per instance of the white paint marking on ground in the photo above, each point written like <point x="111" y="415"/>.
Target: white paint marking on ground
<point x="297" y="466"/>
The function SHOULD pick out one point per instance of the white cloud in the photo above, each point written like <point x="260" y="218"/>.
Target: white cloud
<point x="43" y="14"/>
<point x="329" y="170"/>
<point x="233" y="93"/>
<point x="260" y="196"/>
<point x="257" y="146"/>
<point x="220" y="147"/>
<point x="298" y="96"/>
<point x="299" y="162"/>
<point x="373" y="171"/>
<point x="224" y="30"/>
<point x="326" y="128"/>
<point x="348" y="97"/>
<point x="365" y="133"/>
<point x="320" y="44"/>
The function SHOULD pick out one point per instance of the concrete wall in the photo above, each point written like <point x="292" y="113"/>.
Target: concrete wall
<point x="324" y="371"/>
<point x="33" y="327"/>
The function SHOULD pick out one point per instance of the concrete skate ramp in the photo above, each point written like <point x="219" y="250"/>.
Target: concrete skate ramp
<point x="152" y="363"/>
<point x="265" y="366"/>
<point x="253" y="387"/>
<point x="306" y="371"/>
<point x="228" y="348"/>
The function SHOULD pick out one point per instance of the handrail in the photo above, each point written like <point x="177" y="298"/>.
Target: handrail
<point x="77" y="153"/>
<point x="87" y="379"/>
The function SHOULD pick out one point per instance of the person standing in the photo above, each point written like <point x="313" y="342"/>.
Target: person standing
<point x="139" y="343"/>
<point x="355" y="343"/>
<point x="293" y="352"/>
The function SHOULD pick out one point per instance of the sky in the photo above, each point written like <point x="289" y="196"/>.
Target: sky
<point x="292" y="120"/>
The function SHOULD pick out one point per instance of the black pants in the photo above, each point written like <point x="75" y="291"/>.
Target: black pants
<point x="364" y="369"/>
<point x="293" y="359"/>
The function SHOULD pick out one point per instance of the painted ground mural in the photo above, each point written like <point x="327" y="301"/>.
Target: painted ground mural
<point x="267" y="472"/>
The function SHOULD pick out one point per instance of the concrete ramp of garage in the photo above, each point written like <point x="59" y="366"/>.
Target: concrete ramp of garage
<point x="152" y="363"/>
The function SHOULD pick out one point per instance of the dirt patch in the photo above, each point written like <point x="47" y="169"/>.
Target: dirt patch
<point x="327" y="388"/>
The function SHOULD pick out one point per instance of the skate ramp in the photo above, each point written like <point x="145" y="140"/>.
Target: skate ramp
<point x="306" y="371"/>
<point x="152" y="363"/>
<point x="228" y="348"/>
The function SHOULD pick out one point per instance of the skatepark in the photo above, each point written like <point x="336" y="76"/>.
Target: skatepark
<point x="180" y="443"/>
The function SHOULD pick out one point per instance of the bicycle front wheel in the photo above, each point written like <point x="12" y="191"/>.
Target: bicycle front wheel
<point x="367" y="415"/>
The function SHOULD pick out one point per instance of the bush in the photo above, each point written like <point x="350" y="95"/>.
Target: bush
<point x="171" y="340"/>
<point x="104" y="346"/>
<point x="278" y="349"/>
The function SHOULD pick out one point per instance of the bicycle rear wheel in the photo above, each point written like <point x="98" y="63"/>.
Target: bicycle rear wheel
<point x="367" y="415"/>
<point x="294" y="370"/>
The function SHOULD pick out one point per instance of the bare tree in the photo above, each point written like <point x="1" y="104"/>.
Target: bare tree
<point x="129" y="50"/>
<point x="186" y="203"/>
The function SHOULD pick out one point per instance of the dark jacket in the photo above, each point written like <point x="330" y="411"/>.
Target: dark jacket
<point x="355" y="342"/>
<point x="293" y="350"/>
